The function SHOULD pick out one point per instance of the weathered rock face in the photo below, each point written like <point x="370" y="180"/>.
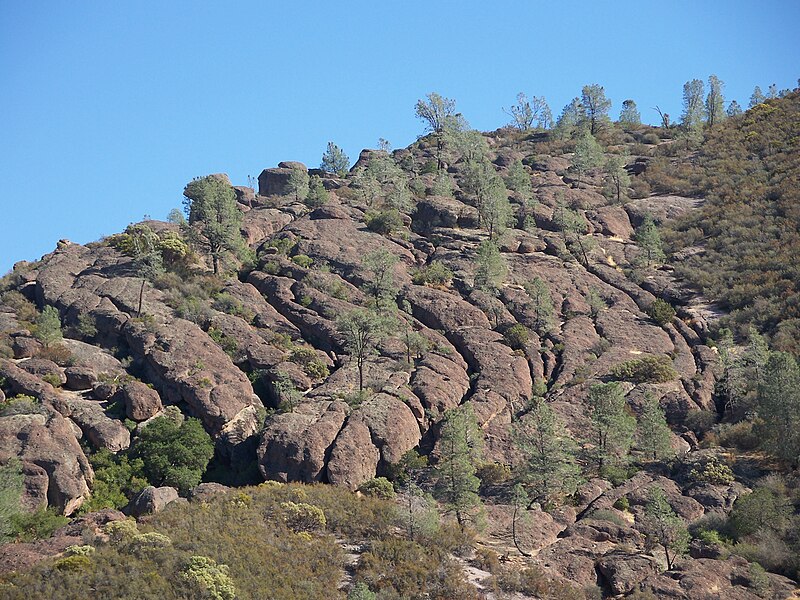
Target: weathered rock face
<point x="275" y="182"/>
<point x="46" y="444"/>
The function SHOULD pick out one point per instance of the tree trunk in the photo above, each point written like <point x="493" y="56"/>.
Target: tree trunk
<point x="141" y="297"/>
<point x="514" y="532"/>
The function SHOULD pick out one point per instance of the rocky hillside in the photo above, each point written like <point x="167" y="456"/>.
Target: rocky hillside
<point x="468" y="309"/>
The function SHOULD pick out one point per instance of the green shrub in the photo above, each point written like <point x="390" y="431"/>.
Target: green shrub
<point x="21" y="405"/>
<point x="303" y="516"/>
<point x="302" y="260"/>
<point x="384" y="222"/>
<point x="226" y="303"/>
<point x="38" y="525"/>
<point x="436" y="274"/>
<point x="310" y="361"/>
<point x="609" y="515"/>
<point x="493" y="473"/>
<point x="713" y="472"/>
<point x="378" y="487"/>
<point x="661" y="312"/>
<point x="209" y="579"/>
<point x="622" y="503"/>
<point x="73" y="563"/>
<point x="517" y="336"/>
<point x="48" y="326"/>
<point x="648" y="369"/>
<point x="76" y="550"/>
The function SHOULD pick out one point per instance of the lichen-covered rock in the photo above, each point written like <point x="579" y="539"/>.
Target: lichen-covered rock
<point x="152" y="500"/>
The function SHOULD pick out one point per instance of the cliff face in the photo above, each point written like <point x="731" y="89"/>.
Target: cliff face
<point x="277" y="323"/>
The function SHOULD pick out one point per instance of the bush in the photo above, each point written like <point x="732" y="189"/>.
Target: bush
<point x="310" y="361"/>
<point x="648" y="369"/>
<point x="493" y="473"/>
<point x="516" y="336"/>
<point x="211" y="580"/>
<point x="436" y="274"/>
<point x="622" y="503"/>
<point x="41" y="524"/>
<point x="384" y="222"/>
<point x="713" y="472"/>
<point x="378" y="487"/>
<point x="173" y="454"/>
<point x="700" y="421"/>
<point x="302" y="260"/>
<point x="48" y="326"/>
<point x="661" y="312"/>
<point x="73" y="563"/>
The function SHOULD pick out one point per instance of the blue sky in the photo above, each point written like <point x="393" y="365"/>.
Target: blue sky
<point x="107" y="109"/>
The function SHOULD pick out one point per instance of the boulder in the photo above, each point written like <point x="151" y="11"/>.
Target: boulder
<point x="623" y="571"/>
<point x="275" y="182"/>
<point x="44" y="368"/>
<point x="141" y="402"/>
<point x="205" y="491"/>
<point x="152" y="500"/>
<point x="80" y="378"/>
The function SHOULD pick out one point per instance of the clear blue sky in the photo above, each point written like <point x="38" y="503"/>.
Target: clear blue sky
<point x="108" y="108"/>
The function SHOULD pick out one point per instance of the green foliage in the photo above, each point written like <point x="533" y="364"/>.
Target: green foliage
<point x="761" y="510"/>
<point x="38" y="525"/>
<point x="541" y="303"/>
<point x="48" y="326"/>
<point x="210" y="205"/>
<point x="379" y="487"/>
<point x="11" y="488"/>
<point x="302" y="260"/>
<point x="519" y="180"/>
<point x="434" y="274"/>
<point x="653" y="434"/>
<point x="361" y="331"/>
<point x="617" y="180"/>
<point x="334" y="160"/>
<point x="174" y="454"/>
<point x="778" y="407"/>
<point x="442" y="184"/>
<point x="649" y="240"/>
<point x="595" y="106"/>
<point x="303" y="517"/>
<point x="588" y="155"/>
<point x="384" y="222"/>
<point x="317" y="194"/>
<point x="481" y="181"/>
<point x="361" y="591"/>
<point x="460" y="446"/>
<point x="491" y="267"/>
<point x="380" y="284"/>
<point x="612" y="426"/>
<point x="663" y="527"/>
<point x="117" y="478"/>
<point x="516" y="336"/>
<point x="648" y="369"/>
<point x="693" y="110"/>
<point x="661" y="312"/>
<point x="21" y="405"/>
<point x="548" y="468"/>
<point x="712" y="471"/>
<point x="299" y="184"/>
<point x="209" y="579"/>
<point x="440" y="118"/>
<point x="629" y="116"/>
<point x="230" y="305"/>
<point x="311" y="363"/>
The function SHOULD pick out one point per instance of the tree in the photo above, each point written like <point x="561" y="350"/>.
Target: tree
<point x="661" y="312"/>
<point x="527" y="112"/>
<point x="649" y="240"/>
<point x="381" y="285"/>
<point x="653" y="434"/>
<point x="595" y="106"/>
<point x="715" y="102"/>
<point x="361" y="591"/>
<point x="420" y="515"/>
<point x="757" y="97"/>
<point x="362" y="330"/>
<point x="761" y="510"/>
<point x="573" y="228"/>
<point x="440" y="117"/>
<point x="541" y="305"/>
<point x="48" y="326"/>
<point x="481" y="181"/>
<point x="692" y="117"/>
<point x="491" y="270"/>
<point x="612" y="426"/>
<point x="442" y="185"/>
<point x="317" y="194"/>
<point x="520" y="501"/>
<point x="460" y="446"/>
<point x="210" y="206"/>
<point x="588" y="155"/>
<point x="174" y="454"/>
<point x="11" y="488"/>
<point x="334" y="160"/>
<point x="779" y="408"/>
<point x="570" y="118"/>
<point x="144" y="245"/>
<point x="629" y="116"/>
<point x="664" y="528"/>
<point x="518" y="180"/>
<point x="548" y="467"/>
<point x="734" y="109"/>
<point x="299" y="183"/>
<point x="617" y="178"/>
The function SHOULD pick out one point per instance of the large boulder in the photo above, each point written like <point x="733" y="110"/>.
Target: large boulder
<point x="275" y="182"/>
<point x="141" y="402"/>
<point x="152" y="500"/>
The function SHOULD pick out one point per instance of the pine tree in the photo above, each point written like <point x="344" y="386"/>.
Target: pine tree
<point x="612" y="426"/>
<point x="334" y="160"/>
<point x="629" y="116"/>
<point x="380" y="283"/>
<point x="48" y="326"/>
<point x="317" y="194"/>
<point x="541" y="304"/>
<point x="653" y="433"/>
<point x="734" y="109"/>
<point x="491" y="269"/>
<point x="298" y="183"/>
<point x="361" y="331"/>
<point x="757" y="97"/>
<point x="518" y="180"/>
<point x="460" y="445"/>
<point x="649" y="240"/>
<point x="693" y="109"/>
<point x="439" y="115"/>
<point x="779" y="408"/>
<point x="715" y="102"/>
<point x="548" y="467"/>
<point x="588" y="155"/>
<point x="570" y="118"/>
<point x="617" y="178"/>
<point x="595" y="106"/>
<point x="664" y="528"/>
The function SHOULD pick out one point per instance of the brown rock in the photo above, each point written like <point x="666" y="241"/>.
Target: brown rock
<point x="623" y="571"/>
<point x="206" y="491"/>
<point x="43" y="368"/>
<point x="80" y="378"/>
<point x="152" y="500"/>
<point x="141" y="401"/>
<point x="274" y="182"/>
